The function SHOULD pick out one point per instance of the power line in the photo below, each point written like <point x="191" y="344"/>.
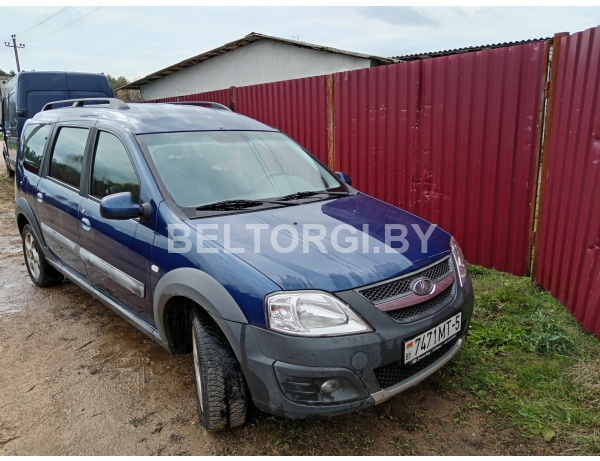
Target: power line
<point x="57" y="30"/>
<point x="64" y="8"/>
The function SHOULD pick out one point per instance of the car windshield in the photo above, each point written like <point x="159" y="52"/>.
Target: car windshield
<point x="201" y="168"/>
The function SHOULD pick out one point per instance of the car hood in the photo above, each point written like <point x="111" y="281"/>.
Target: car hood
<point x="283" y="252"/>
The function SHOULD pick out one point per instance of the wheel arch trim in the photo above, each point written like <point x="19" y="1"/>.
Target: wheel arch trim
<point x="23" y="208"/>
<point x="199" y="287"/>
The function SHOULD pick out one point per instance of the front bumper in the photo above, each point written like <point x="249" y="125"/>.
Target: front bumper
<point x="284" y="373"/>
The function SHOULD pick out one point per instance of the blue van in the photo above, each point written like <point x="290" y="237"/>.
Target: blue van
<point x="219" y="236"/>
<point x="27" y="92"/>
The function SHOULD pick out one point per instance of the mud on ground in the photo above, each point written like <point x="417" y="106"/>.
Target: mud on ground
<point x="76" y="379"/>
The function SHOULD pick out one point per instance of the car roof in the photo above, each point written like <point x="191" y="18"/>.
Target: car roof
<point x="144" y="118"/>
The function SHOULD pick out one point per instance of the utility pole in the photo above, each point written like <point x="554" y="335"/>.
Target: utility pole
<point x="15" y="47"/>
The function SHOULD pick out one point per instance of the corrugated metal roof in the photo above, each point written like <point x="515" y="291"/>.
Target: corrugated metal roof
<point x="469" y="49"/>
<point x="247" y="40"/>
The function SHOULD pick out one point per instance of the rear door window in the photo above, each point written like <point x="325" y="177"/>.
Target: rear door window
<point x="67" y="155"/>
<point x="35" y="137"/>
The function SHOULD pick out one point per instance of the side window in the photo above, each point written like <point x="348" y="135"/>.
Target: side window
<point x="5" y="117"/>
<point x="33" y="146"/>
<point x="67" y="155"/>
<point x="112" y="170"/>
<point x="12" y="116"/>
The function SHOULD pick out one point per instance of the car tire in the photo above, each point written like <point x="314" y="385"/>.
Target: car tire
<point x="221" y="393"/>
<point x="42" y="274"/>
<point x="9" y="172"/>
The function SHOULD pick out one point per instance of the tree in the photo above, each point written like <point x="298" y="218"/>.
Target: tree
<point x="125" y="95"/>
<point x="116" y="82"/>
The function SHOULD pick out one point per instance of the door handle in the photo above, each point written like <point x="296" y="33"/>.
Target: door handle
<point x="40" y="197"/>
<point x="85" y="224"/>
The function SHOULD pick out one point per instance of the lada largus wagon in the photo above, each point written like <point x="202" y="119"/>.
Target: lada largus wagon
<point x="220" y="236"/>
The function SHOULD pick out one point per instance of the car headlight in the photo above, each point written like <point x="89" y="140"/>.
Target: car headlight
<point x="312" y="313"/>
<point x="459" y="260"/>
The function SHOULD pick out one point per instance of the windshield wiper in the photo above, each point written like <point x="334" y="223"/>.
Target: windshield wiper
<point x="309" y="193"/>
<point x="238" y="204"/>
<point x="230" y="205"/>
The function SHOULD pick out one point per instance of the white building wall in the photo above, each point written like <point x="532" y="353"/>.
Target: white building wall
<point x="259" y="62"/>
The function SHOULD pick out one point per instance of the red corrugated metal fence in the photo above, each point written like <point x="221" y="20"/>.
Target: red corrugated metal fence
<point x="452" y="139"/>
<point x="220" y="96"/>
<point x="296" y="107"/>
<point x="568" y="249"/>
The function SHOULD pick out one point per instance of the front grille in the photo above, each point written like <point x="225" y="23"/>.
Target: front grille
<point x="412" y="311"/>
<point x="401" y="286"/>
<point x="395" y="373"/>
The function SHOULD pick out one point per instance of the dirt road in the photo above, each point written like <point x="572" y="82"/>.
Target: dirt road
<point x="77" y="379"/>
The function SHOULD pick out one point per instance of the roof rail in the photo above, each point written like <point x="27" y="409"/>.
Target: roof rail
<point x="212" y="105"/>
<point x="113" y="103"/>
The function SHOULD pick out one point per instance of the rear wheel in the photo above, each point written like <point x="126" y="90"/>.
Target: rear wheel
<point x="42" y="274"/>
<point x="220" y="387"/>
<point x="9" y="172"/>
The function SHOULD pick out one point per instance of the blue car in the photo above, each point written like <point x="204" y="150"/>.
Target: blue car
<point x="219" y="236"/>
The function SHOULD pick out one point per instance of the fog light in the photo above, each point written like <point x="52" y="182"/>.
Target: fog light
<point x="330" y="386"/>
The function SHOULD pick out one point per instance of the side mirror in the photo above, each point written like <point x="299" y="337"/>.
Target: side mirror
<point x="122" y="206"/>
<point x="344" y="177"/>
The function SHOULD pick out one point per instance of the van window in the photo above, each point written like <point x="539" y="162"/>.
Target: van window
<point x="33" y="146"/>
<point x="36" y="100"/>
<point x="112" y="170"/>
<point x="67" y="155"/>
<point x="5" y="116"/>
<point x="12" y="121"/>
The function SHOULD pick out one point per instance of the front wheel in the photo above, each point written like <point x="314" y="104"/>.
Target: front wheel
<point x="42" y="274"/>
<point x="220" y="386"/>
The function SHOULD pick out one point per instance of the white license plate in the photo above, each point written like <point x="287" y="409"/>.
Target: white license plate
<point x="422" y="345"/>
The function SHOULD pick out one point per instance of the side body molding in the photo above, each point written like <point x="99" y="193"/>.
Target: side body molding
<point x="199" y="287"/>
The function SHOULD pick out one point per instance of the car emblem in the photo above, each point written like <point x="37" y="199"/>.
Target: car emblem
<point x="423" y="286"/>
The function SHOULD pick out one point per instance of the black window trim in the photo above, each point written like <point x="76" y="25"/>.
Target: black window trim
<point x="45" y="167"/>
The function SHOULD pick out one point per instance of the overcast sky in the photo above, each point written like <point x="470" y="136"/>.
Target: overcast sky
<point x="136" y="41"/>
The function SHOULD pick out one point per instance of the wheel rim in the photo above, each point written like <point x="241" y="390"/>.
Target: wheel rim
<point x="32" y="256"/>
<point x="197" y="370"/>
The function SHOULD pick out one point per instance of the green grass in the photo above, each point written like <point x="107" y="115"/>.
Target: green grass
<point x="531" y="363"/>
